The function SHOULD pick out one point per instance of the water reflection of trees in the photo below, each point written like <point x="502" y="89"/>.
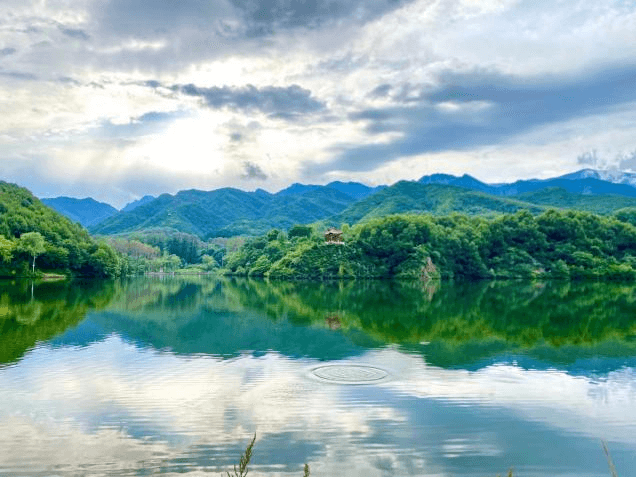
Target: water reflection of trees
<point x="472" y="315"/>
<point x="460" y="322"/>
<point x="557" y="313"/>
<point x="35" y="312"/>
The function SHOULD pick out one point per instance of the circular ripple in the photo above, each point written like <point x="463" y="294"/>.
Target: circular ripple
<point x="349" y="373"/>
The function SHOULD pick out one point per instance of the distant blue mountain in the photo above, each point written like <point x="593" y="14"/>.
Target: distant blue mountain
<point x="465" y="181"/>
<point x="87" y="211"/>
<point x="587" y="186"/>
<point x="587" y="181"/>
<point x="298" y="189"/>
<point x="617" y="177"/>
<point x="355" y="189"/>
<point x="133" y="205"/>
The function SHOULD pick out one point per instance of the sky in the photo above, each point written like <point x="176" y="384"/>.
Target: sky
<point x="116" y="99"/>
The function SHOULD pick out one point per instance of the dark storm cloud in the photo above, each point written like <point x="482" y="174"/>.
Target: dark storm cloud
<point x="253" y="171"/>
<point x="285" y="103"/>
<point x="7" y="51"/>
<point x="479" y="108"/>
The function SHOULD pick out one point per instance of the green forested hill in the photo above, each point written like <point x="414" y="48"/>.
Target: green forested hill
<point x="435" y="199"/>
<point x="227" y="212"/>
<point x="442" y="199"/>
<point x="230" y="212"/>
<point x="57" y="242"/>
<point x="560" y="198"/>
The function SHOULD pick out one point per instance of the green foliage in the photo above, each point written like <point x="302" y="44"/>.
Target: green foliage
<point x="30" y="230"/>
<point x="165" y="250"/>
<point x="260" y="267"/>
<point x="30" y="313"/>
<point x="559" y="244"/>
<point x="627" y="214"/>
<point x="242" y="470"/>
<point x="435" y="199"/>
<point x="33" y="244"/>
<point x="7" y="248"/>
<point x="300" y="231"/>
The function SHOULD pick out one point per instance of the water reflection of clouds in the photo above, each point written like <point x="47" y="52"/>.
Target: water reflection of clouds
<point x="603" y="408"/>
<point x="111" y="406"/>
<point x="163" y="399"/>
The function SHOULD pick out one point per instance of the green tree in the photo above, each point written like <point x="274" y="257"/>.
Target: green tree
<point x="33" y="244"/>
<point x="6" y="249"/>
<point x="300" y="231"/>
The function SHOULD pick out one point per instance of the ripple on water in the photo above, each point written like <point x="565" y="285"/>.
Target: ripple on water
<point x="349" y="373"/>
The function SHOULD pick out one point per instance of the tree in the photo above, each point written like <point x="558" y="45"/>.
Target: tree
<point x="6" y="249"/>
<point x="33" y="244"/>
<point x="300" y="231"/>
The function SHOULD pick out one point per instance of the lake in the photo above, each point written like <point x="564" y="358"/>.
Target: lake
<point x="173" y="376"/>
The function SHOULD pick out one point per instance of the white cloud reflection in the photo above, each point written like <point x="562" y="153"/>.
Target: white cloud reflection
<point x="111" y="407"/>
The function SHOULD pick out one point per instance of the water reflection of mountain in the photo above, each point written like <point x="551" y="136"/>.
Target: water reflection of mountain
<point x="220" y="318"/>
<point x="451" y="324"/>
<point x="463" y="324"/>
<point x="36" y="312"/>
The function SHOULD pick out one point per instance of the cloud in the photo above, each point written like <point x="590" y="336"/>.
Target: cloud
<point x="381" y="91"/>
<point x="466" y="110"/>
<point x="18" y="75"/>
<point x="619" y="162"/>
<point x="268" y="16"/>
<point x="75" y="33"/>
<point x="148" y="19"/>
<point x="283" y="102"/>
<point x="253" y="171"/>
<point x="401" y="80"/>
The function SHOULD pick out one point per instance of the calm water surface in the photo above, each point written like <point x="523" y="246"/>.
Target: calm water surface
<point x="173" y="376"/>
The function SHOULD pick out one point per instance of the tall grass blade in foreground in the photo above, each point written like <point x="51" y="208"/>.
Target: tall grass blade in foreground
<point x="245" y="459"/>
<point x="242" y="470"/>
<point x="609" y="459"/>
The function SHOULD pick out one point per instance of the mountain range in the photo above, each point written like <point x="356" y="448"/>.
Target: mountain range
<point x="85" y="211"/>
<point x="229" y="212"/>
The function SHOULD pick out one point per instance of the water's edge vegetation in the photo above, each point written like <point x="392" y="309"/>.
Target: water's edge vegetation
<point x="556" y="244"/>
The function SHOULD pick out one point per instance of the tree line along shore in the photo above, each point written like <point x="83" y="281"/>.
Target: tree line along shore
<point x="554" y="243"/>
